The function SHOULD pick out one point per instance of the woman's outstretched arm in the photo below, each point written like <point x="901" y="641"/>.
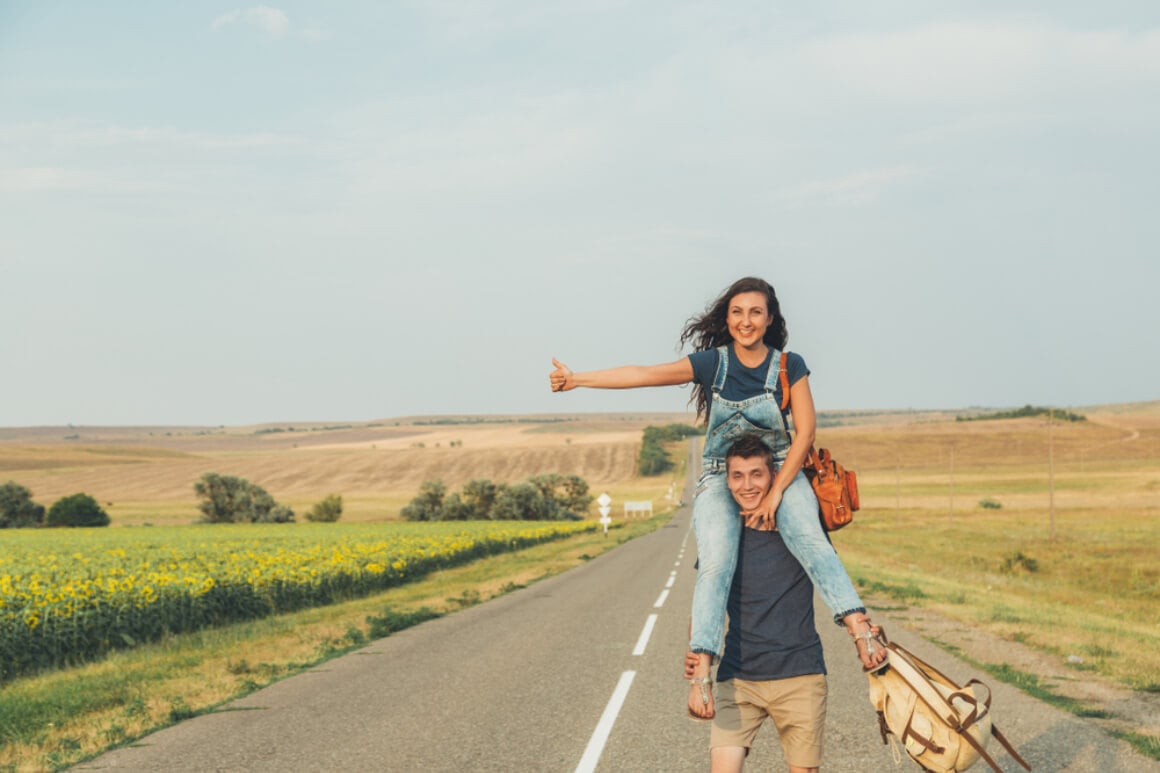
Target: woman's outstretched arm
<point x="563" y="379"/>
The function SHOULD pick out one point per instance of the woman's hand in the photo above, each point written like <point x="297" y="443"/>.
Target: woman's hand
<point x="561" y="379"/>
<point x="764" y="516"/>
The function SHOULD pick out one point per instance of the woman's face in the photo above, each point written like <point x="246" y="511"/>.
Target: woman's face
<point x="747" y="318"/>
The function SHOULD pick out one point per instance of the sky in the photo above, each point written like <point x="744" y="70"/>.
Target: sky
<point x="219" y="214"/>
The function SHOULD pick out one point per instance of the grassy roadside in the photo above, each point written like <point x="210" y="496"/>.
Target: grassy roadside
<point x="54" y="720"/>
<point x="1085" y="600"/>
<point x="1089" y="593"/>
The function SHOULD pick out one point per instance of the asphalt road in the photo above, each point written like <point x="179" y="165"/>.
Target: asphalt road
<point x="568" y="674"/>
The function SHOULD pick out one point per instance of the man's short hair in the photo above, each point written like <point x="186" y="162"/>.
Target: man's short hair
<point x="748" y="446"/>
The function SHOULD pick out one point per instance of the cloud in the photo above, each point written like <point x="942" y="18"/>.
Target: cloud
<point x="84" y="135"/>
<point x="43" y="179"/>
<point x="859" y="187"/>
<point x="270" y="20"/>
<point x="985" y="62"/>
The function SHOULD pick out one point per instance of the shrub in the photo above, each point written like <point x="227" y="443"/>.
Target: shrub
<point x="328" y="510"/>
<point x="653" y="458"/>
<point x="428" y="505"/>
<point x="1017" y="562"/>
<point x="479" y="496"/>
<point x="571" y="491"/>
<point x="990" y="504"/>
<point x="548" y="497"/>
<point x="524" y="502"/>
<point x="229" y="499"/>
<point x="77" y="510"/>
<point x="17" y="510"/>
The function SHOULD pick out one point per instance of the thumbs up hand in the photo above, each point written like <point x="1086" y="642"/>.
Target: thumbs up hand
<point x="561" y="379"/>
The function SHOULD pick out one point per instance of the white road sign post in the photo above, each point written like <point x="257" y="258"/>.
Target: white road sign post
<point x="604" y="501"/>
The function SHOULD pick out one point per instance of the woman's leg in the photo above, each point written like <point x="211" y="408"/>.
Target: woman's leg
<point x="800" y="527"/>
<point x="717" y="528"/>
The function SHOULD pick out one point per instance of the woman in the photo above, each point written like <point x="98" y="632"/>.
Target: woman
<point x="738" y="342"/>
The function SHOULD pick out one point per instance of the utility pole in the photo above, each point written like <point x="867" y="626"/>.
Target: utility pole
<point x="951" y="513"/>
<point x="897" y="490"/>
<point x="1051" y="472"/>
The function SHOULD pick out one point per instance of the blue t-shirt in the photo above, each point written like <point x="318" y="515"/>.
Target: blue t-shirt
<point x="741" y="382"/>
<point x="771" y="632"/>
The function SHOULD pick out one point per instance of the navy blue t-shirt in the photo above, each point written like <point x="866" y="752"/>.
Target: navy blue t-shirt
<point x="771" y="632"/>
<point x="741" y="382"/>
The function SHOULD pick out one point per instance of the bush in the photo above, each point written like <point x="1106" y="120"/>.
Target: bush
<point x="990" y="504"/>
<point x="328" y="510"/>
<point x="17" y="510"/>
<point x="77" y="510"/>
<point x="570" y="491"/>
<point x="1017" y="562"/>
<point x="228" y="499"/>
<point x="524" y="502"/>
<point x="549" y="497"/>
<point x="428" y="505"/>
<point x="653" y="458"/>
<point x="479" y="496"/>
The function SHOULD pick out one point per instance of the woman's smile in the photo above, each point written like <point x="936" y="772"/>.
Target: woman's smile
<point x="747" y="319"/>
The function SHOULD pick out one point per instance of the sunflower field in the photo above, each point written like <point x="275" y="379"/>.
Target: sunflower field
<point x="68" y="596"/>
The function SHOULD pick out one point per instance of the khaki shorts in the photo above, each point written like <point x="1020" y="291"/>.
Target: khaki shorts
<point x="796" y="705"/>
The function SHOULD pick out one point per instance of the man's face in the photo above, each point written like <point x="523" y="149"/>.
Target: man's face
<point x="749" y="479"/>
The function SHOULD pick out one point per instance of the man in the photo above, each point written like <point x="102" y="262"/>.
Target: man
<point x="772" y="665"/>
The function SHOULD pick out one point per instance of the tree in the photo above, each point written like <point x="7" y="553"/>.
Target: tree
<point x="17" y="510"/>
<point x="428" y="505"/>
<point x="525" y="502"/>
<point x="569" y="492"/>
<point x="547" y="497"/>
<point x="328" y="510"/>
<point x="77" y="510"/>
<point x="229" y="499"/>
<point x="455" y="509"/>
<point x="653" y="458"/>
<point x="479" y="496"/>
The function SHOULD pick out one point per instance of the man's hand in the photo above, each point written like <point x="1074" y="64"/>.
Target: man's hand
<point x="691" y="661"/>
<point x="764" y="516"/>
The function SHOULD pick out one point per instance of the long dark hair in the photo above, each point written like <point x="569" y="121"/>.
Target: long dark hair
<point x="710" y="329"/>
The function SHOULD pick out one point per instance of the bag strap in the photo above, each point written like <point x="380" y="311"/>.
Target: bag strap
<point x="783" y="378"/>
<point x="1007" y="745"/>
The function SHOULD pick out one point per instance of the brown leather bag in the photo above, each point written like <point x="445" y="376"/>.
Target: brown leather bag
<point x="835" y="487"/>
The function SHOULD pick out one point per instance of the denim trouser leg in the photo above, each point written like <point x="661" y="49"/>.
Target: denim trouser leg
<point x="718" y="530"/>
<point x="797" y="520"/>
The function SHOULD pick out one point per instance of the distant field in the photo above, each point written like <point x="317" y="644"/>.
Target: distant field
<point x="146" y="475"/>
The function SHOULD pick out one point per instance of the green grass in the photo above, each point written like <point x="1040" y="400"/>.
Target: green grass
<point x="1147" y="745"/>
<point x="1033" y="686"/>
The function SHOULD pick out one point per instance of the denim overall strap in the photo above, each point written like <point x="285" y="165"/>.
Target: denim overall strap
<point x="722" y="370"/>
<point x="772" y="375"/>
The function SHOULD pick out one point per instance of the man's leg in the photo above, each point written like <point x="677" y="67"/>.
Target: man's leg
<point x="736" y="723"/>
<point x="727" y="759"/>
<point x="798" y="708"/>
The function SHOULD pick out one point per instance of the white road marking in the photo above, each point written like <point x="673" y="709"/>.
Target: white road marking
<point x="672" y="579"/>
<point x="661" y="599"/>
<point x="604" y="726"/>
<point x="642" y="642"/>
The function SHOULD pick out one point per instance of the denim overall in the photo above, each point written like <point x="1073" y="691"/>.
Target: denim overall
<point x="717" y="522"/>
